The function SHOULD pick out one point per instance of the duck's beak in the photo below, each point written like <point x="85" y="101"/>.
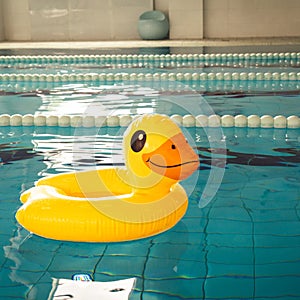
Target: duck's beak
<point x="174" y="159"/>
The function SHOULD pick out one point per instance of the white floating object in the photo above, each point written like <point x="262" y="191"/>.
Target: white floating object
<point x="235" y="76"/>
<point x="112" y="121"/>
<point x="243" y="76"/>
<point x="39" y="120"/>
<point x="177" y="119"/>
<point x="284" y="76"/>
<point x="16" y="120"/>
<point x="91" y="290"/>
<point x="64" y="121"/>
<point x="293" y="122"/>
<point x="28" y="120"/>
<point x="227" y="121"/>
<point x="187" y="76"/>
<point x="214" y="121"/>
<point x="201" y="121"/>
<point x="280" y="122"/>
<point x="188" y="121"/>
<point x="227" y="76"/>
<point x="240" y="121"/>
<point x="52" y="121"/>
<point x="88" y="121"/>
<point x="76" y="121"/>
<point x="100" y="121"/>
<point x="253" y="121"/>
<point x="125" y="120"/>
<point x="201" y="76"/>
<point x="4" y="120"/>
<point x="266" y="121"/>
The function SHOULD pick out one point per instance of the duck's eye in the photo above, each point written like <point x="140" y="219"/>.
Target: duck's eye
<point x="138" y="141"/>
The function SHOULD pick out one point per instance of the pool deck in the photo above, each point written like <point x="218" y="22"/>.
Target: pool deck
<point x="288" y="41"/>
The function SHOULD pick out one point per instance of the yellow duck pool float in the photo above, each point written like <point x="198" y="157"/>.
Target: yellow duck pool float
<point x="117" y="204"/>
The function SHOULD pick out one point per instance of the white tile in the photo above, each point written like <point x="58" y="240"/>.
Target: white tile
<point x="15" y="6"/>
<point x="17" y="27"/>
<point x="215" y="24"/>
<point x="185" y="5"/>
<point x="186" y="18"/>
<point x="1" y="23"/>
<point x="47" y="4"/>
<point x="143" y="4"/>
<point x="186" y="24"/>
<point x="90" y="4"/>
<point x="242" y="5"/>
<point x="216" y="5"/>
<point x="182" y="32"/>
<point x="125" y="31"/>
<point x="162" y="5"/>
<point x="240" y="31"/>
<point x="89" y="25"/>
<point x="49" y="25"/>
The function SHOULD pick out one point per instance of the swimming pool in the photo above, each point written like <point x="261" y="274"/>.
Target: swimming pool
<point x="240" y="237"/>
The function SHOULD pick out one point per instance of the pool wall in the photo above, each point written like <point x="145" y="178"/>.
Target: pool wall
<point x="30" y="20"/>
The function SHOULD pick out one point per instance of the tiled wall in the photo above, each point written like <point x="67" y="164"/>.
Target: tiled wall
<point x="1" y="23"/>
<point x="251" y="18"/>
<point x="37" y="20"/>
<point x="72" y="19"/>
<point x="186" y="19"/>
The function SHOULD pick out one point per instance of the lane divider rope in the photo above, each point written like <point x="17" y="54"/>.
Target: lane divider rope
<point x="152" y="58"/>
<point x="251" y="121"/>
<point x="164" y="76"/>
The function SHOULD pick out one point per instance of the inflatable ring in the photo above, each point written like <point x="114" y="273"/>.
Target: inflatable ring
<point x="117" y="204"/>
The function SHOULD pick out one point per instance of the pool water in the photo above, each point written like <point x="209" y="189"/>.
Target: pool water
<point x="240" y="242"/>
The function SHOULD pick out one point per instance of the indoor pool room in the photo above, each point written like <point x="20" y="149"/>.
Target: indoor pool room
<point x="155" y="158"/>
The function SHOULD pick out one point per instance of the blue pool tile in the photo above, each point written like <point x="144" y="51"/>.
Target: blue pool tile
<point x="194" y="252"/>
<point x="282" y="228"/>
<point x="195" y="211"/>
<point x="224" y="201"/>
<point x="229" y="240"/>
<point x="82" y="249"/>
<point x="276" y="255"/>
<point x="25" y="260"/>
<point x="229" y="213"/>
<point x="39" y="291"/>
<point x="230" y="255"/>
<point x="271" y="215"/>
<point x="236" y="287"/>
<point x="182" y="288"/>
<point x="122" y="265"/>
<point x="268" y="204"/>
<point x="173" y="237"/>
<point x="138" y="248"/>
<point x="67" y="274"/>
<point x="156" y="296"/>
<point x="230" y="270"/>
<point x="72" y="263"/>
<point x="276" y="241"/>
<point x="166" y="250"/>
<point x="278" y="287"/>
<point x="229" y="227"/>
<point x="172" y="268"/>
<point x="5" y="280"/>
<point x="16" y="292"/>
<point x="195" y="224"/>
<point x="135" y="295"/>
<point x="25" y="277"/>
<point x="278" y="269"/>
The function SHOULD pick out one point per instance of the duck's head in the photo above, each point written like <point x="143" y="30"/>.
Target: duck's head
<point x="155" y="149"/>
